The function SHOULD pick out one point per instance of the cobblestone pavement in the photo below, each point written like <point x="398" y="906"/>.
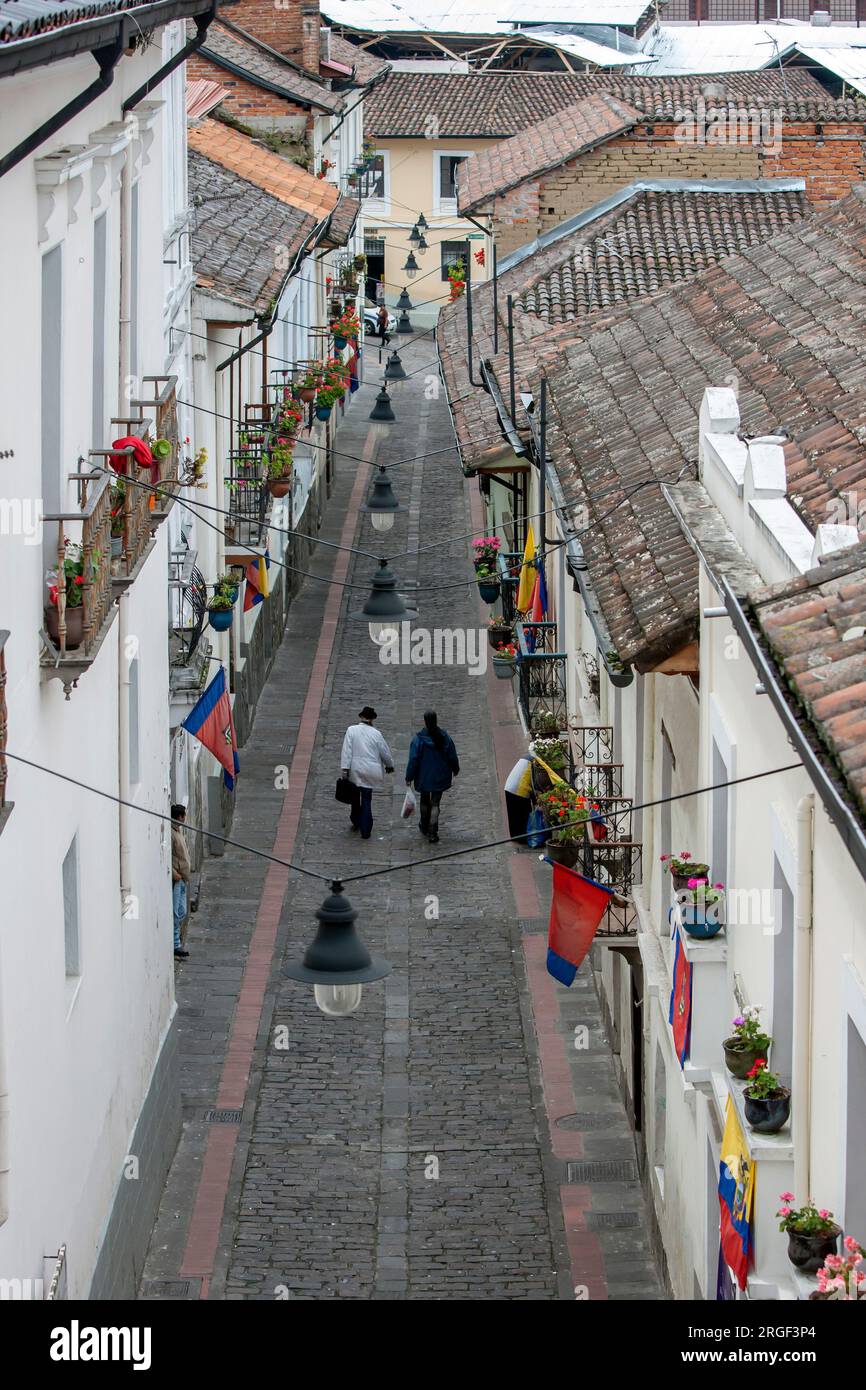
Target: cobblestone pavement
<point x="404" y="1152"/>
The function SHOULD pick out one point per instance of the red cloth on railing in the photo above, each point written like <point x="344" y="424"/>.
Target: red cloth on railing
<point x="141" y="454"/>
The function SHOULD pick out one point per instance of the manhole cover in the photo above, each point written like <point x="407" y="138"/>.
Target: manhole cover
<point x="603" y="1170"/>
<point x="611" y="1220"/>
<point x="587" y="1119"/>
<point x="223" y="1117"/>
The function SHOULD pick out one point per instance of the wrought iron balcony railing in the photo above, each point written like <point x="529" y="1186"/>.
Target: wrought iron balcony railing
<point x="758" y="11"/>
<point x="74" y="631"/>
<point x="591" y="743"/>
<point x="541" y="672"/>
<point x="509" y="564"/>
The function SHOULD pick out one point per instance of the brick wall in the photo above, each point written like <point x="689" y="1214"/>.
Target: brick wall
<point x="290" y="26"/>
<point x="830" y="161"/>
<point x="264" y="110"/>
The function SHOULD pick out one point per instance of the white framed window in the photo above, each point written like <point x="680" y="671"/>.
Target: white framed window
<point x="445" y="163"/>
<point x="379" y="182"/>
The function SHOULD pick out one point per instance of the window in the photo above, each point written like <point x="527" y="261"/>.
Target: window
<point x="99" y="291"/>
<point x="454" y="253"/>
<point x="133" y="287"/>
<point x="446" y="179"/>
<point x="377" y="179"/>
<point x="71" y="916"/>
<point x="52" y="380"/>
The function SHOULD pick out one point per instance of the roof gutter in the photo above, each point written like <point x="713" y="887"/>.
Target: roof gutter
<point x="238" y="71"/>
<point x="202" y="24"/>
<point x="90" y="34"/>
<point x="840" y="812"/>
<point x="509" y="429"/>
<point x="355" y="104"/>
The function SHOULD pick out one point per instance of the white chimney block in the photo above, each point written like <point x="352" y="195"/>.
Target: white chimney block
<point x="766" y="475"/>
<point x="719" y="415"/>
<point x="830" y="537"/>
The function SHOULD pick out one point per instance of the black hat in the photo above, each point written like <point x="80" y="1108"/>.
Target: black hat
<point x="367" y="713"/>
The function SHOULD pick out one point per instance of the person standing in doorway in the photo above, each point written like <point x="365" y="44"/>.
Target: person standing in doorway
<point x="433" y="763"/>
<point x="180" y="872"/>
<point x="365" y="760"/>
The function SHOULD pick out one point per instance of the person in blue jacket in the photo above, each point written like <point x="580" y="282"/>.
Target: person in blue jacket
<point x="432" y="764"/>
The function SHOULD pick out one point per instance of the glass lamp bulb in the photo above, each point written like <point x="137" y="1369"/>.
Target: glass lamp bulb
<point x="384" y="633"/>
<point x="338" y="1001"/>
<point x="382" y="521"/>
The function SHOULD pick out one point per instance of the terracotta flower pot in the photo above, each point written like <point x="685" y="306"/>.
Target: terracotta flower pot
<point x="808" y="1252"/>
<point x="768" y="1115"/>
<point x="307" y="393"/>
<point x="279" y="487"/>
<point x="738" y="1059"/>
<point x="74" y="626"/>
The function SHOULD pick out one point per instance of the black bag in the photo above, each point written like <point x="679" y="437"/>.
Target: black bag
<point x="346" y="791"/>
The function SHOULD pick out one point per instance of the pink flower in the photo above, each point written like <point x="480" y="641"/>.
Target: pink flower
<point x="824" y="1214"/>
<point x="663" y="858"/>
<point x="718" y="885"/>
<point x="693" y="882"/>
<point x="851" y="1244"/>
<point x="784" y="1211"/>
<point x="684" y="854"/>
<point x="786" y="1196"/>
<point x="833" y="1262"/>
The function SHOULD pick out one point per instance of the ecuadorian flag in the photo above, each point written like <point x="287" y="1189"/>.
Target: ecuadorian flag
<point x="527" y="572"/>
<point x="680" y="1015"/>
<point x="736" y="1196"/>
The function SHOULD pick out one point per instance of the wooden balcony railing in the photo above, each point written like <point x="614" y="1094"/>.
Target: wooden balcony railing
<point x="84" y="534"/>
<point x="3" y="722"/>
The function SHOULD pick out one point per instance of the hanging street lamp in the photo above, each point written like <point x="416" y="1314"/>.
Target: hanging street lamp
<point x="337" y="963"/>
<point x="423" y="245"/>
<point x="384" y="610"/>
<point x="382" y="412"/>
<point x="411" y="267"/>
<point x="421" y="222"/>
<point x="394" y="369"/>
<point x="414" y="236"/>
<point x="382" y="504"/>
<point x="404" y="302"/>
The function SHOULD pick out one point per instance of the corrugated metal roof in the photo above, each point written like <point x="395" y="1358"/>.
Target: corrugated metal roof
<point x="471" y="16"/>
<point x="846" y="62"/>
<point x="678" y="49"/>
<point x="587" y="50"/>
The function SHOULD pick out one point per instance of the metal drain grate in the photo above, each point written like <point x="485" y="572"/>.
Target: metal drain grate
<point x="166" y="1288"/>
<point x="603" y="1170"/>
<point x="223" y="1117"/>
<point x="587" y="1119"/>
<point x="612" y="1220"/>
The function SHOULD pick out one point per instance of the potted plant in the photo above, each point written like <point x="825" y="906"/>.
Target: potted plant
<point x="309" y="384"/>
<point x="220" y="609"/>
<point x="746" y="1044"/>
<point x="505" y="661"/>
<point x="117" y="497"/>
<point x="457" y="278"/>
<point x="566" y="813"/>
<point x="360" y="262"/>
<point x="278" y="467"/>
<point x="499" y="632"/>
<point x="193" y="467"/>
<point x="701" y="908"/>
<point x="681" y="868"/>
<point x="767" y="1101"/>
<point x="346" y="328"/>
<point x="71" y="582"/>
<point x="839" y="1278"/>
<point x="228" y="583"/>
<point x="553" y="752"/>
<point x="812" y="1233"/>
<point x="544" y="723"/>
<point x="488" y="583"/>
<point x="325" y="402"/>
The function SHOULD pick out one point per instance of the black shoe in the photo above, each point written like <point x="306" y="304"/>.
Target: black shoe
<point x="180" y="953"/>
<point x="434" y="838"/>
<point x="366" y="837"/>
<point x="354" y="829"/>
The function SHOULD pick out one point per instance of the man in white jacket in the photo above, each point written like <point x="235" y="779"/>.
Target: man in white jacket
<point x="365" y="759"/>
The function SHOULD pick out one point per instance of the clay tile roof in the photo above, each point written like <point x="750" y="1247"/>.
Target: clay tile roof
<point x="497" y="105"/>
<point x="650" y="240"/>
<point x="783" y="320"/>
<point x="342" y="223"/>
<point x="231" y="48"/>
<point x="260" y="166"/>
<point x="235" y="229"/>
<point x="551" y="142"/>
<point x="367" y="67"/>
<point x="814" y="630"/>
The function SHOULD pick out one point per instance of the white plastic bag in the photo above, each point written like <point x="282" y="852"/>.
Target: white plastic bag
<point x="409" y="804"/>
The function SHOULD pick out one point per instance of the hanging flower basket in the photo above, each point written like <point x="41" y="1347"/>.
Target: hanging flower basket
<point x="74" y="626"/>
<point x="339" y="341"/>
<point x="221" y="618"/>
<point x="499" y="633"/>
<point x="279" y="487"/>
<point x="505" y="662"/>
<point x="489" y="590"/>
<point x="323" y="412"/>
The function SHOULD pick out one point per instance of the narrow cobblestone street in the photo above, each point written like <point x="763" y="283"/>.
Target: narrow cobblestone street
<point x="410" y="1151"/>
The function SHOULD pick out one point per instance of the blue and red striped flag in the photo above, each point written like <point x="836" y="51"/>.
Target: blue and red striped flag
<point x="577" y="907"/>
<point x="211" y="722"/>
<point x="256" y="589"/>
<point x="680" y="1015"/>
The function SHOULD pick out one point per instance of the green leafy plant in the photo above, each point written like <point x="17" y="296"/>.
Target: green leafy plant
<point x="220" y="601"/>
<point x="763" y="1084"/>
<point x="71" y="579"/>
<point x="807" y="1220"/>
<point x="748" y="1033"/>
<point x="566" y="812"/>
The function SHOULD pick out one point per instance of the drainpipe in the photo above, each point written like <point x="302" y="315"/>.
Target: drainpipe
<point x="125" y="280"/>
<point x="202" y="23"/>
<point x="123" y="604"/>
<point x="803" y="938"/>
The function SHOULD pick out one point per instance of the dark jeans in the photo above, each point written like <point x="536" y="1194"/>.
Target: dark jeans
<point x="362" y="811"/>
<point x="430" y="812"/>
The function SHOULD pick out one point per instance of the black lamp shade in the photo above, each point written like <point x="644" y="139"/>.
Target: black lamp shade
<point x="382" y="409"/>
<point x="384" y="605"/>
<point x="421" y="222"/>
<point x="411" y="267"/>
<point x="404" y="302"/>
<point x="422" y="246"/>
<point x="337" y="955"/>
<point x="394" y="369"/>
<point x="414" y="236"/>
<point x="404" y="324"/>
<point x="382" y="497"/>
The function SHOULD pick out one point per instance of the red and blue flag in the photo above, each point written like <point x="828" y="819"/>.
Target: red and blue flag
<point x="680" y="1015"/>
<point x="736" y="1198"/>
<point x="256" y="589"/>
<point x="576" y="909"/>
<point x="211" y="722"/>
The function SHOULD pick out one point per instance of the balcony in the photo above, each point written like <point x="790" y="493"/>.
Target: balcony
<point x="247" y="496"/>
<point x="74" y="633"/>
<point x="615" y="859"/>
<point x="509" y="563"/>
<point x="541" y="675"/>
<point x="163" y="403"/>
<point x="758" y="11"/>
<point x="5" y="806"/>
